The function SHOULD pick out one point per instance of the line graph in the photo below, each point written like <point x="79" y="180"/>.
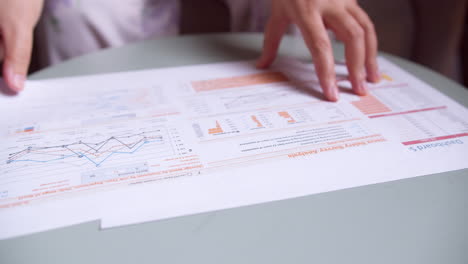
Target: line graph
<point x="96" y="153"/>
<point x="80" y="156"/>
<point x="285" y="93"/>
<point x="252" y="99"/>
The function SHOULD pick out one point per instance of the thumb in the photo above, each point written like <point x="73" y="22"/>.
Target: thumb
<point x="274" y="32"/>
<point x="17" y="46"/>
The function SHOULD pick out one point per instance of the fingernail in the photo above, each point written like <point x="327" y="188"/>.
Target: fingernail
<point x="376" y="74"/>
<point x="332" y="93"/>
<point x="361" y="88"/>
<point x="375" y="77"/>
<point x="18" y="81"/>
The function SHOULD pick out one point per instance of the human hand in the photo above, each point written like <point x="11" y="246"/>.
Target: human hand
<point x="17" y="21"/>
<point x="349" y="23"/>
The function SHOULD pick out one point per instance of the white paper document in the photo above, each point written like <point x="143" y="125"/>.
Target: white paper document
<point x="140" y="146"/>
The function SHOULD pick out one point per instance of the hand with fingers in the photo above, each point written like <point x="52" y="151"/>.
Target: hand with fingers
<point x="313" y="17"/>
<point x="17" y="21"/>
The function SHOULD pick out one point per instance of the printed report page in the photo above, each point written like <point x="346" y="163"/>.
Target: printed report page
<point x="210" y="137"/>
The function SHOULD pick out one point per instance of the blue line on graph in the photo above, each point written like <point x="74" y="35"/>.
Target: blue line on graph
<point x="79" y="154"/>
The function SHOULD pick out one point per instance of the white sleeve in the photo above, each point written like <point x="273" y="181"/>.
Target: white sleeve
<point x="72" y="28"/>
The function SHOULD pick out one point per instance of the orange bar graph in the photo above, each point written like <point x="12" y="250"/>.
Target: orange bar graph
<point x="239" y="81"/>
<point x="216" y="130"/>
<point x="256" y="121"/>
<point x="370" y="105"/>
<point x="287" y="116"/>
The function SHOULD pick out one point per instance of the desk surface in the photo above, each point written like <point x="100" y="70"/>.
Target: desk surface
<point x="418" y="220"/>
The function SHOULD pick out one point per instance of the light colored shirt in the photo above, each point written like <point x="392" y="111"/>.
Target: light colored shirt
<point x="70" y="28"/>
